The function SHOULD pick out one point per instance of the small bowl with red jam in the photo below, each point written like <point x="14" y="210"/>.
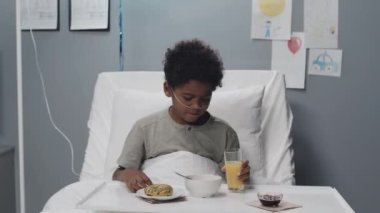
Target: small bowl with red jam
<point x="270" y="198"/>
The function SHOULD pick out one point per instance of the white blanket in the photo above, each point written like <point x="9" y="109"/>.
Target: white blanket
<point x="162" y="168"/>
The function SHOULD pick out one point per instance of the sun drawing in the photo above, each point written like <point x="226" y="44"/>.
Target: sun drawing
<point x="272" y="8"/>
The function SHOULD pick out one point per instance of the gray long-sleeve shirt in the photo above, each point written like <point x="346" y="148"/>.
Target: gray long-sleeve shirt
<point x="159" y="134"/>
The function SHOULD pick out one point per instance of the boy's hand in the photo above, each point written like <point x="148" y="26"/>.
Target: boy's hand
<point x="244" y="172"/>
<point x="135" y="179"/>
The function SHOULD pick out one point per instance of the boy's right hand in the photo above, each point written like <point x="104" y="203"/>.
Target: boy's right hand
<point x="135" y="179"/>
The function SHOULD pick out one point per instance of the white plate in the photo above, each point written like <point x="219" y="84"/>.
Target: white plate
<point x="177" y="192"/>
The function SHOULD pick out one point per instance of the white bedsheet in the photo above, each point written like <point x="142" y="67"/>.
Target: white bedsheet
<point x="162" y="169"/>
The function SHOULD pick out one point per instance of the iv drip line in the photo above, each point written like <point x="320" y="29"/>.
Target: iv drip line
<point x="46" y="99"/>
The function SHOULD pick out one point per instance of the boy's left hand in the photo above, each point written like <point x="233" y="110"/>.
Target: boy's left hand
<point x="244" y="172"/>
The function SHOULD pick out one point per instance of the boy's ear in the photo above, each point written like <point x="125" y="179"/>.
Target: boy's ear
<point x="167" y="89"/>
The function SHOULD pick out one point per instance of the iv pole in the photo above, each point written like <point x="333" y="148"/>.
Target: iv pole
<point x="20" y="118"/>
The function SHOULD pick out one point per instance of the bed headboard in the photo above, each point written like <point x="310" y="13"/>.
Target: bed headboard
<point x="275" y="120"/>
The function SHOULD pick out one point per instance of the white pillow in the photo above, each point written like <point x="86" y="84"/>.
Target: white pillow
<point x="240" y="108"/>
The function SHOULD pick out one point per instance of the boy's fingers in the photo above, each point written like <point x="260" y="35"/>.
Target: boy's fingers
<point x="142" y="181"/>
<point x="244" y="173"/>
<point x="244" y="178"/>
<point x="131" y="187"/>
<point x="245" y="170"/>
<point x="245" y="167"/>
<point x="223" y="169"/>
<point x="136" y="180"/>
<point x="147" y="180"/>
<point x="140" y="185"/>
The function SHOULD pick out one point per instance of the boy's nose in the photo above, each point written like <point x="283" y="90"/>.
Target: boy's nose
<point x="199" y="105"/>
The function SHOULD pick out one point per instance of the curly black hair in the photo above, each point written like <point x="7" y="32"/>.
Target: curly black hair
<point x="193" y="60"/>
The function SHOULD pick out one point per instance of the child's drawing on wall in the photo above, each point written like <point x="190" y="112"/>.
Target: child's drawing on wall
<point x="271" y="19"/>
<point x="325" y="62"/>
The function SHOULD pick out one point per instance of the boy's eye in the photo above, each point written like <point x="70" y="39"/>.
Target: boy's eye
<point x="207" y="99"/>
<point x="187" y="98"/>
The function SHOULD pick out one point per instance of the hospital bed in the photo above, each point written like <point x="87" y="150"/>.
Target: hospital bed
<point x="253" y="102"/>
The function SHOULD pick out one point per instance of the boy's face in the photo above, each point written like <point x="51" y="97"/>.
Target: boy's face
<point x="190" y="101"/>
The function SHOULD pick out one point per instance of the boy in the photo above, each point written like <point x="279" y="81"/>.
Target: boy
<point x="192" y="72"/>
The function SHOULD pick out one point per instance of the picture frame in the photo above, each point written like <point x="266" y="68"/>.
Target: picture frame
<point x="39" y="15"/>
<point x="91" y="15"/>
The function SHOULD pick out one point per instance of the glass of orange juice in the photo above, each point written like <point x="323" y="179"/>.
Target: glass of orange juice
<point x="233" y="160"/>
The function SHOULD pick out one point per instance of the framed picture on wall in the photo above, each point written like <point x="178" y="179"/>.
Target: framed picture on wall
<point x="39" y="14"/>
<point x="89" y="14"/>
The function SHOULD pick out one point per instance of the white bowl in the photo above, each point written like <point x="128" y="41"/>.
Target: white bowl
<point x="203" y="185"/>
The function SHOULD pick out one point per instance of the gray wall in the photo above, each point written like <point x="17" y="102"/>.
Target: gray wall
<point x="8" y="92"/>
<point x="7" y="179"/>
<point x="336" y="122"/>
<point x="70" y="62"/>
<point x="8" y="104"/>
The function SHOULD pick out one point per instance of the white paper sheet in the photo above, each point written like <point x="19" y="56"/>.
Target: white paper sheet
<point x="271" y="19"/>
<point x="325" y="62"/>
<point x="89" y="14"/>
<point x="39" y="14"/>
<point x="321" y="23"/>
<point x="289" y="58"/>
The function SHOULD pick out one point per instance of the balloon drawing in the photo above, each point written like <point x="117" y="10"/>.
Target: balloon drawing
<point x="294" y="44"/>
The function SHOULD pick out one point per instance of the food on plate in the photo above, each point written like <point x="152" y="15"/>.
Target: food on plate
<point x="159" y="190"/>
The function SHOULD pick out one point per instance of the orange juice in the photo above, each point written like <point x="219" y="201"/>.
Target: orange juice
<point x="232" y="172"/>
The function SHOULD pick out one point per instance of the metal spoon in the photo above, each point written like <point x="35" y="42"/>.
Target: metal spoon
<point x="184" y="176"/>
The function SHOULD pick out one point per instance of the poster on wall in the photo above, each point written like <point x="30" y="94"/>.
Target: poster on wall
<point x="326" y="62"/>
<point x="89" y="14"/>
<point x="39" y="14"/>
<point x="289" y="58"/>
<point x="321" y="23"/>
<point x="271" y="19"/>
